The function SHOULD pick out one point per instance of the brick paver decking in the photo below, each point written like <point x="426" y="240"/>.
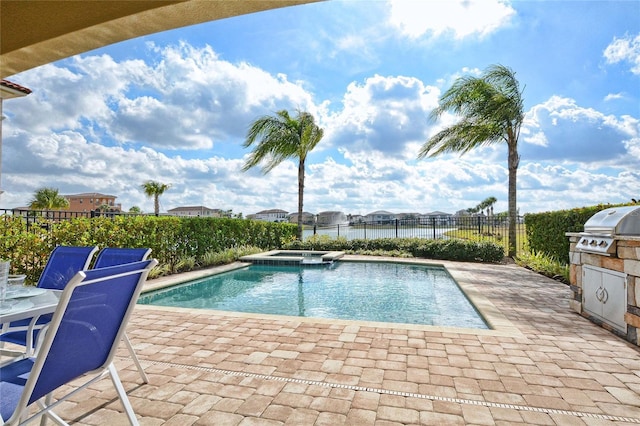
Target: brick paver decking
<point x="544" y="365"/>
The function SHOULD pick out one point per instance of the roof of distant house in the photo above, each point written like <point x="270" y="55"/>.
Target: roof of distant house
<point x="380" y="212"/>
<point x="91" y="194"/>
<point x="272" y="211"/>
<point x="192" y="208"/>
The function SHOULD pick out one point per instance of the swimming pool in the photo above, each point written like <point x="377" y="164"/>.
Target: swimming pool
<point x="368" y="291"/>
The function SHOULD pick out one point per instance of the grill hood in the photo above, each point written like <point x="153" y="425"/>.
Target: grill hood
<point x="615" y="221"/>
<point x="602" y="228"/>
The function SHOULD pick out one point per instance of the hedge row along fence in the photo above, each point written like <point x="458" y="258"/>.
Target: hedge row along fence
<point x="452" y="249"/>
<point x="170" y="238"/>
<point x="546" y="231"/>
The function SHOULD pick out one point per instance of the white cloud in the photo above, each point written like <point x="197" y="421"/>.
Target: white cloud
<point x="613" y="96"/>
<point x="383" y="114"/>
<point x="626" y="49"/>
<point x="188" y="99"/>
<point x="554" y="187"/>
<point x="561" y="129"/>
<point x="460" y="18"/>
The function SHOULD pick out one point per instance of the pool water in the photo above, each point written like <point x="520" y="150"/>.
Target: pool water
<point x="368" y="291"/>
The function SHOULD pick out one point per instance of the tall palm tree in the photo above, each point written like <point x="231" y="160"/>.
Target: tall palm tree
<point x="48" y="199"/>
<point x="155" y="189"/>
<point x="281" y="137"/>
<point x="491" y="111"/>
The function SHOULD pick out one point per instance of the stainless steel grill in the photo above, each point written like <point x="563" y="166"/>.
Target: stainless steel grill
<point x="602" y="228"/>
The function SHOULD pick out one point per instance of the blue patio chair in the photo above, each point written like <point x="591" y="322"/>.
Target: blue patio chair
<point x="80" y="341"/>
<point x="111" y="256"/>
<point x="63" y="263"/>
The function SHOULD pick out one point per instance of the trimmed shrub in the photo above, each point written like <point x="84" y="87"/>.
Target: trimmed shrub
<point x="174" y="241"/>
<point x="546" y="231"/>
<point x="453" y="249"/>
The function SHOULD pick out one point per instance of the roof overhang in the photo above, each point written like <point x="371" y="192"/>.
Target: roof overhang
<point x="37" y="32"/>
<point x="9" y="89"/>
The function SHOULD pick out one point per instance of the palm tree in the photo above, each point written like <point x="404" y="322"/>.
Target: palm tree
<point x="490" y="201"/>
<point x="48" y="199"/>
<point x="155" y="189"/>
<point x="487" y="204"/>
<point x="281" y="137"/>
<point x="491" y="111"/>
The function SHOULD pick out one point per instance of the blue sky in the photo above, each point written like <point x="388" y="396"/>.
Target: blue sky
<point x="175" y="107"/>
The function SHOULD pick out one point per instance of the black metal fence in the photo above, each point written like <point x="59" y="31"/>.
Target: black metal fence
<point x="43" y="218"/>
<point x="474" y="228"/>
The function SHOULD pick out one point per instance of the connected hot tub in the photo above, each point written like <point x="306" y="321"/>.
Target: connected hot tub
<point x="294" y="257"/>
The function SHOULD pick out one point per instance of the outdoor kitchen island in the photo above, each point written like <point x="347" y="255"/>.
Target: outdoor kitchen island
<point x="605" y="271"/>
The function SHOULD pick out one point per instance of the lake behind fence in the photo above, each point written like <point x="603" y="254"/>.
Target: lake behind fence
<point x="474" y="228"/>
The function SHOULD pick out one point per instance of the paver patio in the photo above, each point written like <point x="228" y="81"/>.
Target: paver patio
<point x="544" y="365"/>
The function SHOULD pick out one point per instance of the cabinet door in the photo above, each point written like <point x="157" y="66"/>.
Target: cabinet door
<point x="591" y="288"/>
<point x="614" y="303"/>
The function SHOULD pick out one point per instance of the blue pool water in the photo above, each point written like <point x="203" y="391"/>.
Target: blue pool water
<point x="369" y="291"/>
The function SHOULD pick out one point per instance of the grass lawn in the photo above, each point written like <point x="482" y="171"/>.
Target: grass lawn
<point x="487" y="233"/>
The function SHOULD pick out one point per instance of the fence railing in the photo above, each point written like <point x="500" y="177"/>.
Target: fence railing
<point x="474" y="228"/>
<point x="43" y="218"/>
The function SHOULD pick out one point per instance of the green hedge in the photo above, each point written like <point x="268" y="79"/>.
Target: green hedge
<point x="546" y="231"/>
<point x="453" y="249"/>
<point x="172" y="239"/>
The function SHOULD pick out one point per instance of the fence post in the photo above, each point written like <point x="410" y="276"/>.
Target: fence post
<point x="433" y="224"/>
<point x="314" y="229"/>
<point x="396" y="228"/>
<point x="365" y="230"/>
<point x="479" y="226"/>
<point x="338" y="230"/>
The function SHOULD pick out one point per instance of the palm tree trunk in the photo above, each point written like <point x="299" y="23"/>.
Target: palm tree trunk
<point x="156" y="204"/>
<point x="514" y="160"/>
<point x="300" y="196"/>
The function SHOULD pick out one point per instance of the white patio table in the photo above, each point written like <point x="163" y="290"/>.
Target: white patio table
<point x="30" y="302"/>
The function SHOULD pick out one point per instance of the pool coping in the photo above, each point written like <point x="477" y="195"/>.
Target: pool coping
<point x="499" y="323"/>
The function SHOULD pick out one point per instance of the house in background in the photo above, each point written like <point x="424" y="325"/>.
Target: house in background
<point x="437" y="217"/>
<point x="195" y="211"/>
<point x="307" y="218"/>
<point x="408" y="218"/>
<point x="380" y="217"/>
<point x="92" y="201"/>
<point x="272" y="215"/>
<point x="331" y="218"/>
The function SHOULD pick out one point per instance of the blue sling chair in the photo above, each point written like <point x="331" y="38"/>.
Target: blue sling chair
<point x="63" y="263"/>
<point x="66" y="259"/>
<point x="80" y="341"/>
<point x="112" y="256"/>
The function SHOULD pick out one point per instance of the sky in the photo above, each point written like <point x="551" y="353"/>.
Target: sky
<point x="175" y="107"/>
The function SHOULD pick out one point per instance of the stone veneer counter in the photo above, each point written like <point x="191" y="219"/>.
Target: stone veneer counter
<point x="623" y="264"/>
